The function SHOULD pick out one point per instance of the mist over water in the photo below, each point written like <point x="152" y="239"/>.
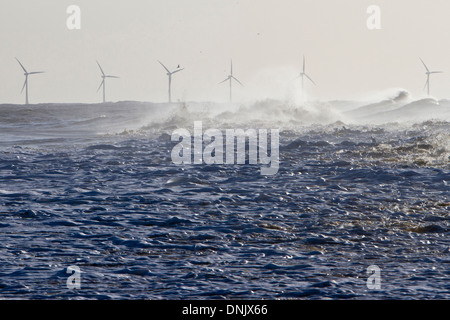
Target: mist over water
<point x="360" y="183"/>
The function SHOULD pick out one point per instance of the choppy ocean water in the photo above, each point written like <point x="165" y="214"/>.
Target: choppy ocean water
<point x="93" y="186"/>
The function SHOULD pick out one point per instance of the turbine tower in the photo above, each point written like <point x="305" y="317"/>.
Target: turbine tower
<point x="169" y="74"/>
<point x="25" y="85"/>
<point x="303" y="75"/>
<point x="103" y="83"/>
<point x="428" y="73"/>
<point x="231" y="78"/>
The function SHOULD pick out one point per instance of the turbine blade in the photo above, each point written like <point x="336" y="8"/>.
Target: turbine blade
<point x="177" y="71"/>
<point x="310" y="79"/>
<point x="437" y="72"/>
<point x="303" y="64"/>
<point x="116" y="77"/>
<point x="37" y="72"/>
<point x="100" y="68"/>
<point x="224" y="80"/>
<point x="164" y="66"/>
<point x="24" y="84"/>
<point x="101" y="84"/>
<point x="424" y="65"/>
<point x="237" y="80"/>
<point x="231" y="70"/>
<point x="22" y="66"/>
<point x="426" y="84"/>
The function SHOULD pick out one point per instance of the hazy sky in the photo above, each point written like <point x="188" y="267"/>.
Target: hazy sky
<point x="265" y="38"/>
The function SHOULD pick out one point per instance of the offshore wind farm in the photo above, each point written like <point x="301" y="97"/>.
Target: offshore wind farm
<point x="230" y="78"/>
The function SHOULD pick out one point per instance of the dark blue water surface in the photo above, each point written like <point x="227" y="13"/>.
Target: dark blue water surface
<point x="139" y="227"/>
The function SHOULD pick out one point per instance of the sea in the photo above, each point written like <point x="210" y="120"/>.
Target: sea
<point x="93" y="207"/>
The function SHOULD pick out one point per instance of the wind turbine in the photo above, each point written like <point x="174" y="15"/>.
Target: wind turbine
<point x="303" y="75"/>
<point x="103" y="83"/>
<point x="231" y="78"/>
<point x="428" y="73"/>
<point x="169" y="74"/>
<point x="25" y="85"/>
